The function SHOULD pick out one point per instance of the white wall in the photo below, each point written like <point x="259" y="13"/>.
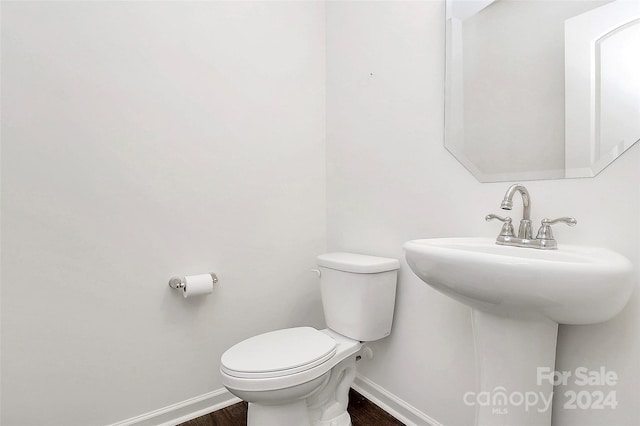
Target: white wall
<point x="391" y="180"/>
<point x="142" y="140"/>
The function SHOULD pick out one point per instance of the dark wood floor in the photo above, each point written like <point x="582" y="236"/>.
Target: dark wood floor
<point x="363" y="413"/>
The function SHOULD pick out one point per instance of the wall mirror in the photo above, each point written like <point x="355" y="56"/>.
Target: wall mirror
<point x="539" y="89"/>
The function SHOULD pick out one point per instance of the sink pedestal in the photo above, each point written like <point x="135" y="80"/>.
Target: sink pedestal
<point x="510" y="350"/>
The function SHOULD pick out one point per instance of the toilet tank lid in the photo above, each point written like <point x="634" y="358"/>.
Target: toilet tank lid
<point x="357" y="263"/>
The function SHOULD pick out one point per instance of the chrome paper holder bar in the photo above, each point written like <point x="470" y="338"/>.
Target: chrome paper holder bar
<point x="178" y="283"/>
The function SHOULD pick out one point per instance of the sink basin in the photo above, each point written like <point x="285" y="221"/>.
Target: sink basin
<point x="518" y="297"/>
<point x="571" y="285"/>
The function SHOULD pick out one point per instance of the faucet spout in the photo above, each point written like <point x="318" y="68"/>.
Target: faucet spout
<point x="507" y="203"/>
<point x="524" y="231"/>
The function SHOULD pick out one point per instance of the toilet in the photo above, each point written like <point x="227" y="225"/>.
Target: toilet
<point x="301" y="376"/>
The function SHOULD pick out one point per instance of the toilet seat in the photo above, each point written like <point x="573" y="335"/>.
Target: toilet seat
<point x="345" y="347"/>
<point x="278" y="353"/>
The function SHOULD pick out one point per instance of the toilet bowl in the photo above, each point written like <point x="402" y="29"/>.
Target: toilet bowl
<point x="301" y="376"/>
<point x="278" y="393"/>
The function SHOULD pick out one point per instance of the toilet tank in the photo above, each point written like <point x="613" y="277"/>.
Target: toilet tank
<point x="358" y="294"/>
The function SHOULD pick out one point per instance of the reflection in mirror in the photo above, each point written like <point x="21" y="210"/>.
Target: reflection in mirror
<point x="541" y="90"/>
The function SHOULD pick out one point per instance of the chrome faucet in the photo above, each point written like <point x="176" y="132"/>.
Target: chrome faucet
<point x="524" y="231"/>
<point x="544" y="239"/>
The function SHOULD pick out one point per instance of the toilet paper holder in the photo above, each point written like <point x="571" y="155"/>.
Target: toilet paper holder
<point x="178" y="283"/>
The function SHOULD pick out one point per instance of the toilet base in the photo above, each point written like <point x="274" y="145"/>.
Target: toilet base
<point x="295" y="413"/>
<point x="342" y="420"/>
<point x="328" y="407"/>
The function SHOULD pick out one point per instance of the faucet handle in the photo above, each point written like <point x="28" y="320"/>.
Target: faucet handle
<point x="507" y="228"/>
<point x="571" y="221"/>
<point x="495" y="216"/>
<point x="545" y="233"/>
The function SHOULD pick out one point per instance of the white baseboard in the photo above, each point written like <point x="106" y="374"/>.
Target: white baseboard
<point x="393" y="405"/>
<point x="183" y="411"/>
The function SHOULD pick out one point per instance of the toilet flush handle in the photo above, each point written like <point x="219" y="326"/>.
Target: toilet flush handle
<point x="317" y="271"/>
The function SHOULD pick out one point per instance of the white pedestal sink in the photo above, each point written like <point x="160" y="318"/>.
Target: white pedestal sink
<point x="518" y="297"/>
